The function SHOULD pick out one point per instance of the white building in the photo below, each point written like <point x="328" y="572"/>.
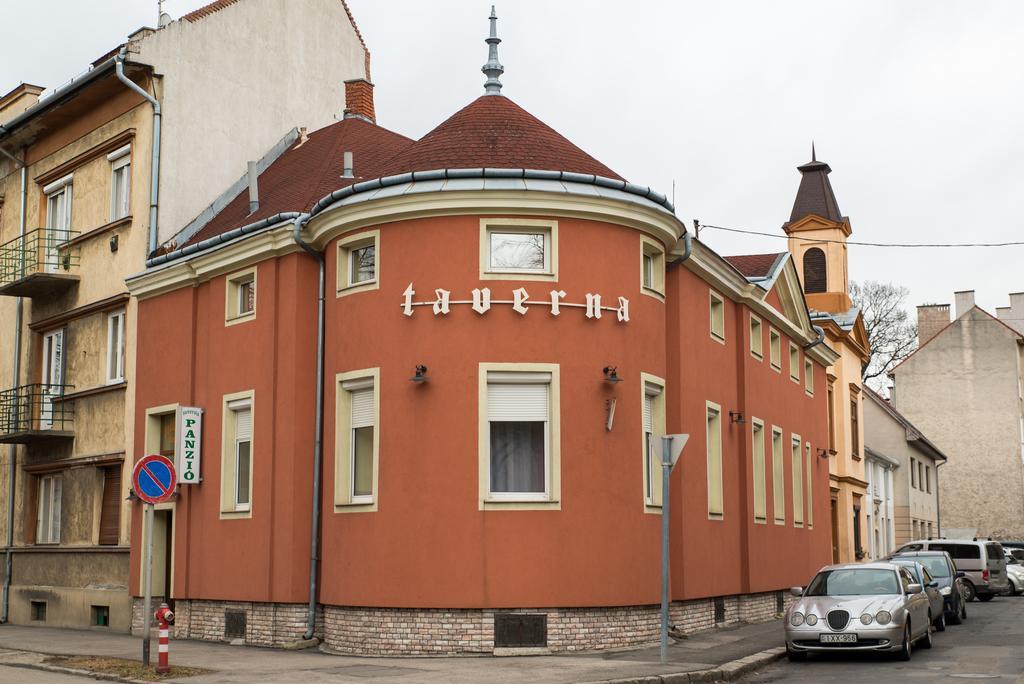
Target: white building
<point x="880" y="519"/>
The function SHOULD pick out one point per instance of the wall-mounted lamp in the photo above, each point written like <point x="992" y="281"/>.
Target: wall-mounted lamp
<point x="113" y="243"/>
<point x="822" y="453"/>
<point x="611" y="374"/>
<point x="421" y="374"/>
<point x="737" y="417"/>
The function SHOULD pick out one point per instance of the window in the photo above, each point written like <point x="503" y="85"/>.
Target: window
<point x="794" y="363"/>
<point x="120" y="182"/>
<point x="831" y="418"/>
<point x="358" y="262"/>
<point x="38" y="611"/>
<point x="100" y="616"/>
<point x="524" y="248"/>
<point x="815" y="279"/>
<point x="798" y="482"/>
<point x="928" y="479"/>
<point x="237" y="456"/>
<point x="778" y="478"/>
<point x="775" y="349"/>
<point x="652" y="268"/>
<point x="716" y="509"/>
<point x="48" y="510"/>
<point x="808" y="377"/>
<point x="653" y="417"/>
<point x="913" y="473"/>
<point x="760" y="504"/>
<point x="756" y="338"/>
<point x="58" y="208"/>
<point x="920" y="475"/>
<point x="240" y="296"/>
<point x="810" y="487"/>
<point x="518" y="416"/>
<point x="110" y="509"/>
<point x="115" y="347"/>
<point x="358" y="441"/>
<point x="167" y="434"/>
<point x="717" y="316"/>
<point x="855" y="427"/>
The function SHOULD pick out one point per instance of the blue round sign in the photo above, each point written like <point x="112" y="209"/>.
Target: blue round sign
<point x="153" y="479"/>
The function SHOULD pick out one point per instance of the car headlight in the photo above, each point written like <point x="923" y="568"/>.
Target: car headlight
<point x="811" y="619"/>
<point x="883" y="617"/>
<point x="946" y="591"/>
<point x="865" y="619"/>
<point x="796" y="619"/>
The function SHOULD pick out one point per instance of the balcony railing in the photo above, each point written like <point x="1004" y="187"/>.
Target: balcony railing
<point x="35" y="413"/>
<point x="38" y="263"/>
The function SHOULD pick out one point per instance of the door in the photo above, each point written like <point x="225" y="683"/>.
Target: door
<point x="52" y="377"/>
<point x="58" y="225"/>
<point x="163" y="556"/>
<point x="835" y="531"/>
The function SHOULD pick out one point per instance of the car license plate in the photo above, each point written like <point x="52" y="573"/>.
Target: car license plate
<point x="838" y="638"/>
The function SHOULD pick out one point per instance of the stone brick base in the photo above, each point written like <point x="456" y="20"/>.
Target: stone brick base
<point x="415" y="631"/>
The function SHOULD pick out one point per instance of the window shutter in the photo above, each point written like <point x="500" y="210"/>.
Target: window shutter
<point x="517" y="402"/>
<point x="243" y="423"/>
<point x="55" y="521"/>
<point x="362" y="408"/>
<point x="649" y="414"/>
<point x="110" y="512"/>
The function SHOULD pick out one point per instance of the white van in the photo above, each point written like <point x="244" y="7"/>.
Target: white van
<point x="982" y="560"/>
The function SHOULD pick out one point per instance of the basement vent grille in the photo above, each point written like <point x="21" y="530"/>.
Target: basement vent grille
<point x="518" y="630"/>
<point x="234" y="624"/>
<point x="719" y="610"/>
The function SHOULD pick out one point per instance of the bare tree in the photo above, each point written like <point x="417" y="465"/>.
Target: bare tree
<point x="891" y="331"/>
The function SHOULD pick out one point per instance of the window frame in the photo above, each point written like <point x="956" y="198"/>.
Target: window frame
<point x="797" y="477"/>
<point x="716" y="323"/>
<point x="344" y="251"/>
<point x="230" y="404"/>
<point x="345" y="383"/>
<point x="547" y="227"/>
<point x="120" y="159"/>
<point x="757" y="450"/>
<point x="115" y="378"/>
<point x="775" y="349"/>
<point x="63" y="186"/>
<point x="756" y="337"/>
<point x="233" y="296"/>
<point x="778" y="476"/>
<point x="855" y="426"/>
<point x="809" y="480"/>
<point x="654" y="387"/>
<point x="808" y="376"/>
<point x="655" y="252"/>
<point x="530" y="372"/>
<point x="794" y="362"/>
<point x="715" y="476"/>
<point x="54" y="509"/>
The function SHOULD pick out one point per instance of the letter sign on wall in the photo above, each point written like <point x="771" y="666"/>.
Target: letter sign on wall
<point x="189" y="444"/>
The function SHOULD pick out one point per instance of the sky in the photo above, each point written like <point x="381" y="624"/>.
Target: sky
<point x="916" y="105"/>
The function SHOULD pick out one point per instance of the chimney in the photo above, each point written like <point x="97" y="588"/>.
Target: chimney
<point x="359" y="100"/>
<point x="347" y="173"/>
<point x="964" y="302"/>
<point x="1013" y="315"/>
<point x="931" y="318"/>
<point x="254" y="188"/>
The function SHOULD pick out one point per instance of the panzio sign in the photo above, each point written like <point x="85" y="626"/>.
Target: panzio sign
<point x="189" y="446"/>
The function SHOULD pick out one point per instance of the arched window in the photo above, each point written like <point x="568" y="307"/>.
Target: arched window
<point x="815" y="279"/>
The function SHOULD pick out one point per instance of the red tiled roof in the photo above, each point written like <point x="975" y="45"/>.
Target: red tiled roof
<point x="754" y="265"/>
<point x="306" y="172"/>
<point x="495" y="132"/>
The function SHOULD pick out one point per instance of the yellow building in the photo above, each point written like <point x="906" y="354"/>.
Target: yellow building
<point x="817" y="240"/>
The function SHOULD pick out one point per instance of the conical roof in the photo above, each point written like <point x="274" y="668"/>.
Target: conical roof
<point x="495" y="132"/>
<point x="815" y="195"/>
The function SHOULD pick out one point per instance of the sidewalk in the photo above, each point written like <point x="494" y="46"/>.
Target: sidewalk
<point x="702" y="652"/>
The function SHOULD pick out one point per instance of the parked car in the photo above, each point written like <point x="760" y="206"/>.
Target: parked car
<point x="931" y="589"/>
<point x="951" y="584"/>
<point x="859" y="607"/>
<point x="982" y="560"/>
<point x="1015" y="556"/>
<point x="1015" y="574"/>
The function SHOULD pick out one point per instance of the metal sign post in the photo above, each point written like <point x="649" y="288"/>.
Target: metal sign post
<point x="671" y="448"/>
<point x="153" y="480"/>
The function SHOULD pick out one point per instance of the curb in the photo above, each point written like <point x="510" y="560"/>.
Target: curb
<point x="77" y="673"/>
<point x="726" y="672"/>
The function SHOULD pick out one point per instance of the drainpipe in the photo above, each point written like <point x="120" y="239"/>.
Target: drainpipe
<point x="818" y="340"/>
<point x="314" y="541"/>
<point x="12" y="458"/>
<point x="154" y="160"/>
<point x="938" y="502"/>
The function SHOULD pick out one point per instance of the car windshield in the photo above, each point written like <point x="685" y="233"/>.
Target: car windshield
<point x="936" y="565"/>
<point x="853" y="582"/>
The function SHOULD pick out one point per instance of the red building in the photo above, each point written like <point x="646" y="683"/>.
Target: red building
<point x="508" y="326"/>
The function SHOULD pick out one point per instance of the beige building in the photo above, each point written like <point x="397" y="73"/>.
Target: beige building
<point x="817" y="240"/>
<point x="890" y="437"/>
<point x="78" y="214"/>
<point x="962" y="387"/>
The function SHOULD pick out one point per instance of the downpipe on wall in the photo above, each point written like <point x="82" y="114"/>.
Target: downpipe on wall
<point x="154" y="160"/>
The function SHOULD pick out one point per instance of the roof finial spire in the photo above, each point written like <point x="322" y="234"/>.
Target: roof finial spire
<point x="493" y="69"/>
<point x="814" y="157"/>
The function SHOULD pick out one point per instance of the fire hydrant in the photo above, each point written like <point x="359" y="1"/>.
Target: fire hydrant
<point x="164" y="618"/>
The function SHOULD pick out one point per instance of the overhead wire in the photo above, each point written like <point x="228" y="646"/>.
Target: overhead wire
<point x="902" y="245"/>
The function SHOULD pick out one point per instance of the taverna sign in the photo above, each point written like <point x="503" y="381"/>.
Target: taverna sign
<point x="188" y="445"/>
<point x="521" y="303"/>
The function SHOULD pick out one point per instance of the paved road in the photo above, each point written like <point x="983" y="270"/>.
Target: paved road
<point x="989" y="645"/>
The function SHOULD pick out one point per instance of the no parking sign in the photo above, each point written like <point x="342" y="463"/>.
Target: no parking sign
<point x="153" y="479"/>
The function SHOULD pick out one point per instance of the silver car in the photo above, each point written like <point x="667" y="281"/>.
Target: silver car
<point x="859" y="607"/>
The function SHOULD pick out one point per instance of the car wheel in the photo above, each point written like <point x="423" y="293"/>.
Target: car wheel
<point x="796" y="656"/>
<point x="956" y="617"/>
<point x="926" y="638"/>
<point x="905" y="648"/>
<point x="963" y="610"/>
<point x="940" y="624"/>
<point x="1016" y="589"/>
<point x="969" y="593"/>
<point x="986" y="597"/>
